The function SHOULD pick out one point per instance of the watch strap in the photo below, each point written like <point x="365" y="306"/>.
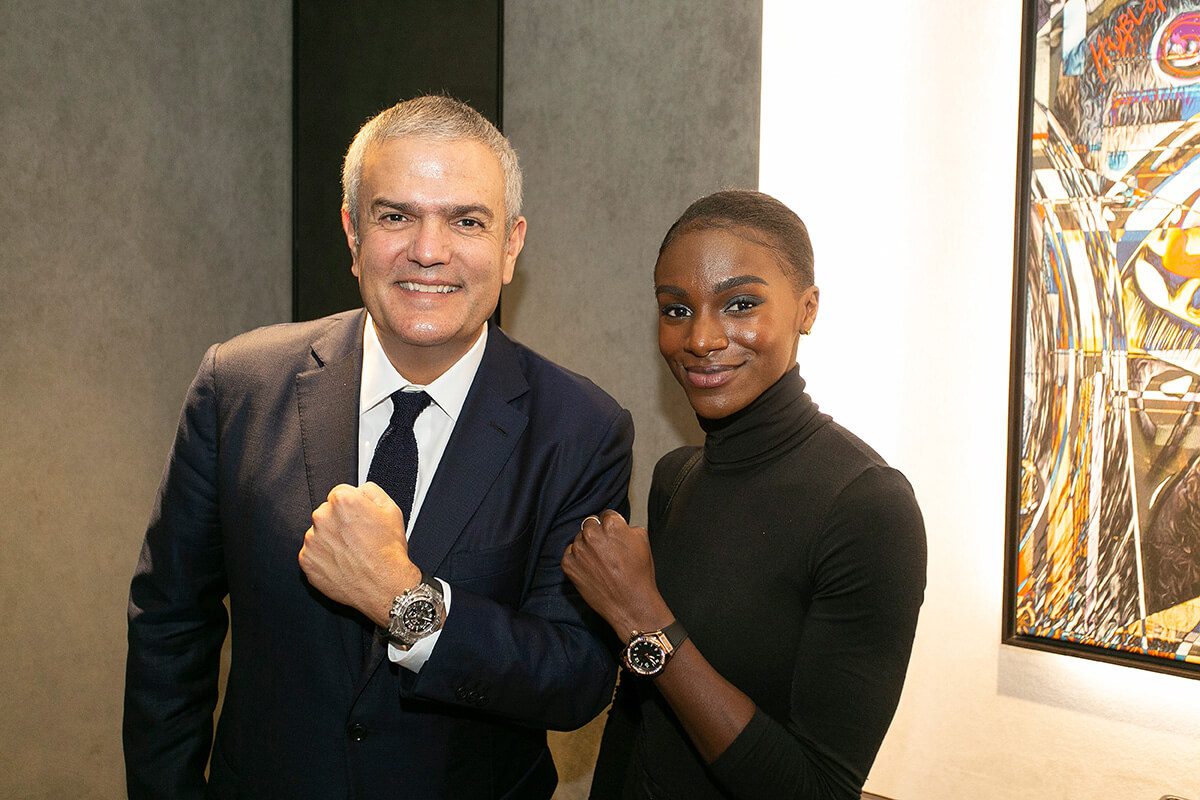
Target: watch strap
<point x="432" y="583"/>
<point x="675" y="634"/>
<point x="667" y="640"/>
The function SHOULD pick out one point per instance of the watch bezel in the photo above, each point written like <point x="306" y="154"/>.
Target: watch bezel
<point x="666" y="641"/>
<point x="650" y="639"/>
<point x="399" y="631"/>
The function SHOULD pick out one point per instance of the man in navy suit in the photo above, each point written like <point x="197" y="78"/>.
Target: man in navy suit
<point x="411" y="647"/>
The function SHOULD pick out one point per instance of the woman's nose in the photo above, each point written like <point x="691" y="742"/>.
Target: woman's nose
<point x="706" y="336"/>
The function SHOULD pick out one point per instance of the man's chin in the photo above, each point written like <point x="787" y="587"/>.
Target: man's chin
<point x="431" y="337"/>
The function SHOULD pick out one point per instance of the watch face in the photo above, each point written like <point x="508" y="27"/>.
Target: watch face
<point x="645" y="657"/>
<point x="420" y="616"/>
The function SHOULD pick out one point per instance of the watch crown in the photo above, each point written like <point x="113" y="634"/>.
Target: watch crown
<point x="647" y="653"/>
<point x="416" y="614"/>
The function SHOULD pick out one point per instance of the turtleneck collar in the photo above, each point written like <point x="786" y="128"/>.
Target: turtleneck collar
<point x="777" y="420"/>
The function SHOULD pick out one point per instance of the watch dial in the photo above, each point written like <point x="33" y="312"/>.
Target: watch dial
<point x="645" y="657"/>
<point x="420" y="616"/>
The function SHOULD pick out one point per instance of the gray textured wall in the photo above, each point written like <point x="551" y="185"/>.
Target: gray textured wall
<point x="144" y="188"/>
<point x="145" y="199"/>
<point x="622" y="113"/>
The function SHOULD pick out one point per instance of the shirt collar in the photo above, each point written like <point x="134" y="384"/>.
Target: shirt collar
<point x="380" y="379"/>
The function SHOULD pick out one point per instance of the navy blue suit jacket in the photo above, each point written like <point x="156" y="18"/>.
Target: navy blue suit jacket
<point x="268" y="428"/>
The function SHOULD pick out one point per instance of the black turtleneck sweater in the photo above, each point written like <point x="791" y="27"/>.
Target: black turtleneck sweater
<point x="795" y="558"/>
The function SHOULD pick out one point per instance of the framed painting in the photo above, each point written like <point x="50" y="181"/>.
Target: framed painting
<point x="1103" y="535"/>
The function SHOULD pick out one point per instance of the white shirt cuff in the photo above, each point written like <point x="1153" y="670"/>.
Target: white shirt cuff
<point x="415" y="657"/>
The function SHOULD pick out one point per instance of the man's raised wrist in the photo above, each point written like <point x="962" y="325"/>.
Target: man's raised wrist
<point x="409" y="577"/>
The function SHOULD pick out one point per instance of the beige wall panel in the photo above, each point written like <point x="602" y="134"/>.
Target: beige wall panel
<point x="622" y="113"/>
<point x="145" y="199"/>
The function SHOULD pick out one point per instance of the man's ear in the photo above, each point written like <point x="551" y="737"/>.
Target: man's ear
<point x="512" y="249"/>
<point x="351" y="239"/>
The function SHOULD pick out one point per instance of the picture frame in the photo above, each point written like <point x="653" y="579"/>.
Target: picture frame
<point x="1102" y="551"/>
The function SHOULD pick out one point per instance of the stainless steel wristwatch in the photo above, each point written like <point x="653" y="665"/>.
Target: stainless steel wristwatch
<point x="417" y="613"/>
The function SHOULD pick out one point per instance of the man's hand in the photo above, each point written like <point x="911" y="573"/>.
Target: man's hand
<point x="356" y="552"/>
<point x="611" y="566"/>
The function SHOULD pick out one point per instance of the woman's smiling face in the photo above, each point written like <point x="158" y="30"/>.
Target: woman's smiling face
<point x="730" y="317"/>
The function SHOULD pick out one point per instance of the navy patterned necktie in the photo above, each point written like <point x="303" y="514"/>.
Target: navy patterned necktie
<point x="394" y="465"/>
<point x="394" y="469"/>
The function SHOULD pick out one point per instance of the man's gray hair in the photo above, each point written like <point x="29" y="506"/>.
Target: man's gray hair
<point x="431" y="117"/>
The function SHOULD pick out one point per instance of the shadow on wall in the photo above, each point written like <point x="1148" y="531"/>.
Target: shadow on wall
<point x="674" y="408"/>
<point x="511" y="297"/>
<point x="670" y="402"/>
<point x="1097" y="689"/>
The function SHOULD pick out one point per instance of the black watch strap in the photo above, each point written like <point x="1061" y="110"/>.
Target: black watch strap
<point x="675" y="633"/>
<point x="431" y="582"/>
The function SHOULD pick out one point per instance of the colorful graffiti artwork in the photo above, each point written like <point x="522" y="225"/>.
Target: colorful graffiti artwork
<point x="1104" y="539"/>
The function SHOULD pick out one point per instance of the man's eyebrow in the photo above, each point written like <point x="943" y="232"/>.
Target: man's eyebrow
<point x="452" y="211"/>
<point x="471" y="210"/>
<point x="393" y="205"/>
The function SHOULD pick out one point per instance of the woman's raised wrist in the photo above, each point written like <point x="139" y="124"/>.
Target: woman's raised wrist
<point x="652" y="616"/>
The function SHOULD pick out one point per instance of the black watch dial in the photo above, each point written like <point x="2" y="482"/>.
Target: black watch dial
<point x="419" y="617"/>
<point x="645" y="657"/>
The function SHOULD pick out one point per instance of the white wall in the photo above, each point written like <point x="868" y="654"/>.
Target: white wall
<point x="892" y="131"/>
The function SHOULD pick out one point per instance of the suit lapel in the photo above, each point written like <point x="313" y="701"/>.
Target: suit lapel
<point x="485" y="434"/>
<point x="487" y="431"/>
<point x="327" y="400"/>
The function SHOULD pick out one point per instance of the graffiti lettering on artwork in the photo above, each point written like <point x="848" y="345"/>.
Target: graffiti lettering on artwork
<point x="1129" y="36"/>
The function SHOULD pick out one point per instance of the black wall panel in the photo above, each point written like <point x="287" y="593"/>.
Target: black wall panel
<point x="351" y="60"/>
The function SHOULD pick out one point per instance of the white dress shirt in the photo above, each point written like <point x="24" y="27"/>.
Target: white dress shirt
<point x="432" y="430"/>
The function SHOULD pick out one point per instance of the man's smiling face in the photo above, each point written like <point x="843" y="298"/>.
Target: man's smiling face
<point x="432" y="249"/>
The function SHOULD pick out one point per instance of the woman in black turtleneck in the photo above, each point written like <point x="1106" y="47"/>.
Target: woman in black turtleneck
<point x="771" y="607"/>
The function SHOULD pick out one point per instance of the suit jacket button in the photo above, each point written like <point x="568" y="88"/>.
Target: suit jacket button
<point x="461" y="693"/>
<point x="356" y="732"/>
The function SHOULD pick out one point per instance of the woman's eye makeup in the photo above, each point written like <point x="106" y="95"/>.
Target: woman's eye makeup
<point x="675" y="310"/>
<point x="743" y="303"/>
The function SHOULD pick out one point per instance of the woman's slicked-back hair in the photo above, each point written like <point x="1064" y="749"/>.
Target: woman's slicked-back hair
<point x="756" y="216"/>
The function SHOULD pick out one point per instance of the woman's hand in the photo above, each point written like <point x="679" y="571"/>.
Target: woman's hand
<point x="611" y="566"/>
<point x="610" y="563"/>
